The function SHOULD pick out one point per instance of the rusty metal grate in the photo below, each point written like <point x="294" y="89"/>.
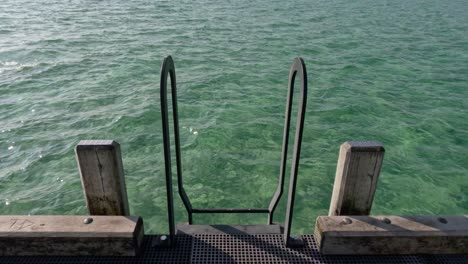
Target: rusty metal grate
<point x="225" y="248"/>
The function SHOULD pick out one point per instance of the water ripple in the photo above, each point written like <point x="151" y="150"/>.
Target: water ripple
<point x="395" y="72"/>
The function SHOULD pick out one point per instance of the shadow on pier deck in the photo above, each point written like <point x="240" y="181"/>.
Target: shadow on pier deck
<point x="226" y="248"/>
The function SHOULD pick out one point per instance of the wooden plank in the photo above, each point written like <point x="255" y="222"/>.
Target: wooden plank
<point x="396" y="235"/>
<point x="356" y="178"/>
<point x="70" y="236"/>
<point x="102" y="177"/>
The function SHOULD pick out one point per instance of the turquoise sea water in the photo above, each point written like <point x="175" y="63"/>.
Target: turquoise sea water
<point x="392" y="71"/>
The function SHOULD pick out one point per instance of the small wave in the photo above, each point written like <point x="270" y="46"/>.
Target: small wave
<point x="26" y="66"/>
<point x="9" y="63"/>
<point x="58" y="40"/>
<point x="13" y="65"/>
<point x="351" y="69"/>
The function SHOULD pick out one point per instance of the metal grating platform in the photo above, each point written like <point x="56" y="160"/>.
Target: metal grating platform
<point x="208" y="248"/>
<point x="225" y="248"/>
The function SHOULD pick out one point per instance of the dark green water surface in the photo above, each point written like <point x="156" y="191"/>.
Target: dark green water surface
<point x="392" y="71"/>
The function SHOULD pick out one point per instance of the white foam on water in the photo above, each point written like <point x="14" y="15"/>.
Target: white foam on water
<point x="9" y="63"/>
<point x="25" y="66"/>
<point x="13" y="65"/>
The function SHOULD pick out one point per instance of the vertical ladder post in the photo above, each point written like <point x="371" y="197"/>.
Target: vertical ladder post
<point x="168" y="70"/>
<point x="357" y="172"/>
<point x="297" y="68"/>
<point x="102" y="177"/>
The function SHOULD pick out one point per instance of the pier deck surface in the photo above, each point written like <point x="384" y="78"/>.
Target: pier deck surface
<point x="226" y="248"/>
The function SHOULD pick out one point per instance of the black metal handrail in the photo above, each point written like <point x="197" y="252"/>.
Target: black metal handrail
<point x="168" y="69"/>
<point x="298" y="67"/>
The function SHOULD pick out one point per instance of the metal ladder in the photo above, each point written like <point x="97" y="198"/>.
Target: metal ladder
<point x="168" y="70"/>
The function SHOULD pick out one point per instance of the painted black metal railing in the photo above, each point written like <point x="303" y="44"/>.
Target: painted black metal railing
<point x="168" y="70"/>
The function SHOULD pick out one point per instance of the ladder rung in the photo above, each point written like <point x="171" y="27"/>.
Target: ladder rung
<point x="231" y="210"/>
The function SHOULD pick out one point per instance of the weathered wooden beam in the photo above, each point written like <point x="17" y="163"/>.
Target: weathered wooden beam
<point x="102" y="177"/>
<point x="70" y="235"/>
<point x="356" y="178"/>
<point x="398" y="235"/>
